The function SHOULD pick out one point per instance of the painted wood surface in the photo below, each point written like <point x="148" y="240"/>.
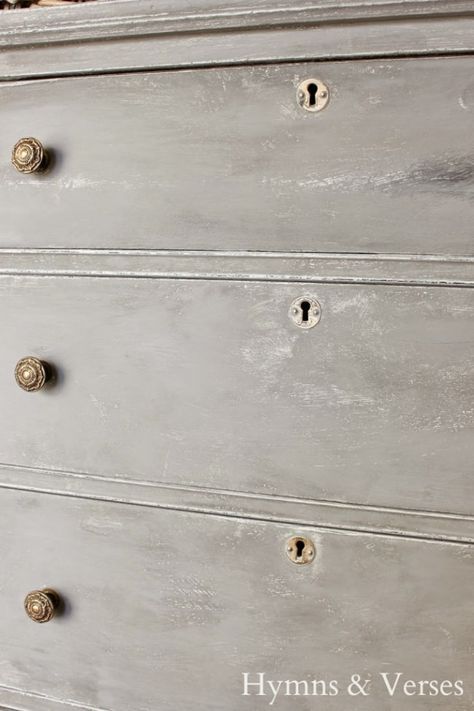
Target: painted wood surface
<point x="226" y="159"/>
<point x="389" y="269"/>
<point x="394" y="38"/>
<point x="212" y="384"/>
<point x="328" y="515"/>
<point x="193" y="428"/>
<point x="166" y="610"/>
<point x="142" y="35"/>
<point x="145" y="17"/>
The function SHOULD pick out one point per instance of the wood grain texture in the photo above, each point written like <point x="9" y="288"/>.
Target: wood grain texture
<point x="166" y="610"/>
<point x="211" y="384"/>
<point x="226" y="159"/>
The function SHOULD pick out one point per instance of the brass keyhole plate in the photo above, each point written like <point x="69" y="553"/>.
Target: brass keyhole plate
<point x="312" y="95"/>
<point x="300" y="550"/>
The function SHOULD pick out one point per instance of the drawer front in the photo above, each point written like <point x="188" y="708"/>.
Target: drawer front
<point x="211" y="383"/>
<point x="227" y="159"/>
<point x="166" y="610"/>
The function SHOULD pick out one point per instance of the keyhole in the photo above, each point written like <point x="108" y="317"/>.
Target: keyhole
<point x="312" y="91"/>
<point x="299" y="549"/>
<point x="305" y="308"/>
<point x="312" y="95"/>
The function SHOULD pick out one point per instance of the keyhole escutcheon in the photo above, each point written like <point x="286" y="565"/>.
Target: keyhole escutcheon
<point x="305" y="311"/>
<point x="301" y="550"/>
<point x="312" y="95"/>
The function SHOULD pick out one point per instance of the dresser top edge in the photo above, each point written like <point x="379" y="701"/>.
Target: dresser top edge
<point x="117" y="36"/>
<point x="108" y="19"/>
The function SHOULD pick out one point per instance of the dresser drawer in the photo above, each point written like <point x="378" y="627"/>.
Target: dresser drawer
<point x="226" y="158"/>
<point x="167" y="610"/>
<point x="212" y="383"/>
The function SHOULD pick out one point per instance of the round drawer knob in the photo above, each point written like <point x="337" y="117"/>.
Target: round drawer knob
<point x="31" y="374"/>
<point x="42" y="605"/>
<point x="28" y="155"/>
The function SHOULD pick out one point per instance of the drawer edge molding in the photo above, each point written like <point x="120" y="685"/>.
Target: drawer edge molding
<point x="143" y="18"/>
<point x="45" y="51"/>
<point x="328" y="515"/>
<point x="21" y="700"/>
<point x="403" y="270"/>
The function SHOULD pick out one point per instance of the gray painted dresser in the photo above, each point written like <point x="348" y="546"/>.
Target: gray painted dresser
<point x="236" y="271"/>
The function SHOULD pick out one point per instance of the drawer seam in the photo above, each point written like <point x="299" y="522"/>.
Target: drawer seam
<point x="329" y="515"/>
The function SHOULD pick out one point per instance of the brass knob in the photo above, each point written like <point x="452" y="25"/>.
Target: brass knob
<point x="42" y="605"/>
<point x="28" y="155"/>
<point x="31" y="374"/>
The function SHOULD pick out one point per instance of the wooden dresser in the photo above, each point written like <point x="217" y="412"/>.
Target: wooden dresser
<point x="237" y="353"/>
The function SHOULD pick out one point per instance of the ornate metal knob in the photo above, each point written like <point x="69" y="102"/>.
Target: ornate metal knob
<point x="31" y="374"/>
<point x="28" y="155"/>
<point x="42" y="605"/>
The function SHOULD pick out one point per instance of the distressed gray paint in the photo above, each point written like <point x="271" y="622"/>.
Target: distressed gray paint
<point x="402" y="270"/>
<point x="211" y="384"/>
<point x="226" y="159"/>
<point x="411" y="523"/>
<point x="131" y="18"/>
<point x="183" y="386"/>
<point x="165" y="610"/>
<point x="142" y="35"/>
